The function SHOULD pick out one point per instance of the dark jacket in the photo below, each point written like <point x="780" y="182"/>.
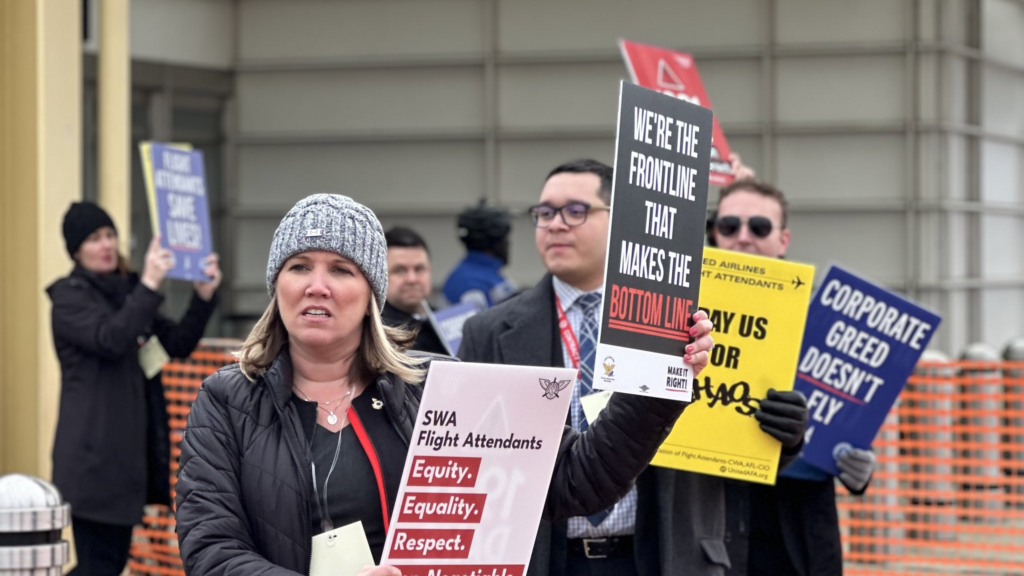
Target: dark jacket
<point x="244" y="496"/>
<point x="427" y="339"/>
<point x="789" y="528"/>
<point x="111" y="452"/>
<point x="680" y="518"/>
<point x="477" y="279"/>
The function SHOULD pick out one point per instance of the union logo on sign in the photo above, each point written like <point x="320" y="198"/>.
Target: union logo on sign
<point x="553" y="387"/>
<point x="667" y="77"/>
<point x="609" y="366"/>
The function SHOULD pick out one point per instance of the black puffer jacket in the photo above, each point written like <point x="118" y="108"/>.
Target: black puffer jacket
<point x="243" y="489"/>
<point x="112" y="449"/>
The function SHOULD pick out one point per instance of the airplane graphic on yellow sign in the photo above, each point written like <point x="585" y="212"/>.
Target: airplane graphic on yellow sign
<point x="759" y="307"/>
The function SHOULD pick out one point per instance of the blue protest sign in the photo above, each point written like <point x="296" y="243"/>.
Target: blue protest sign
<point x="448" y="323"/>
<point x="182" y="213"/>
<point x="860" y="345"/>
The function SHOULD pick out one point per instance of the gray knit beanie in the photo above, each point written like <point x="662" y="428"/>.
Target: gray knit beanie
<point x="332" y="223"/>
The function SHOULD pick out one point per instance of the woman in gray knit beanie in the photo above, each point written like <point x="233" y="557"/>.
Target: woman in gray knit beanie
<point x="310" y="430"/>
<point x="347" y="241"/>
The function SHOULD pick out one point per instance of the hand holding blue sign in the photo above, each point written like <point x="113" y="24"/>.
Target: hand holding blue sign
<point x="211" y="268"/>
<point x="158" y="261"/>
<point x="855" y="468"/>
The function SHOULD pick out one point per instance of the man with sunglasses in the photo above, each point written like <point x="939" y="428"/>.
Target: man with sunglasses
<point x="792" y="527"/>
<point x="672" y="522"/>
<point x="751" y="218"/>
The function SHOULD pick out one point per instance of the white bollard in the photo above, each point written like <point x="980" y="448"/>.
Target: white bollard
<point x="984" y="400"/>
<point x="32" y="515"/>
<point x="889" y="452"/>
<point x="937" y="492"/>
<point x="1014" y="382"/>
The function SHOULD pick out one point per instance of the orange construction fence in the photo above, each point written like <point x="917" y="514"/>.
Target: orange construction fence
<point x="947" y="496"/>
<point x="154" y="542"/>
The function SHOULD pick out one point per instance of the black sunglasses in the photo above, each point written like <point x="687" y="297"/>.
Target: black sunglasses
<point x="759" y="226"/>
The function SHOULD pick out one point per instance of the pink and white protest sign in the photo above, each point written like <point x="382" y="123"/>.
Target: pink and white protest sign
<point x="477" y="474"/>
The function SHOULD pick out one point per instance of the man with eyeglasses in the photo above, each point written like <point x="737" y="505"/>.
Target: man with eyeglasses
<point x="671" y="522"/>
<point x="792" y="527"/>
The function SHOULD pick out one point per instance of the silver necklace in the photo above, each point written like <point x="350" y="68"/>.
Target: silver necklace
<point x="332" y="418"/>
<point x="326" y="524"/>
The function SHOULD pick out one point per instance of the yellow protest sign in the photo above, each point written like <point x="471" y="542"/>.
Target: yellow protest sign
<point x="147" y="176"/>
<point x="759" y="307"/>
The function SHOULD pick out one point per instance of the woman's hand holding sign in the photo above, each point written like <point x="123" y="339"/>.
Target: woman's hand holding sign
<point x="158" y="261"/>
<point x="697" y="352"/>
<point x="211" y="268"/>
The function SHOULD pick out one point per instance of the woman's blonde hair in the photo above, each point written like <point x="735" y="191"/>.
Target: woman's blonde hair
<point x="382" y="348"/>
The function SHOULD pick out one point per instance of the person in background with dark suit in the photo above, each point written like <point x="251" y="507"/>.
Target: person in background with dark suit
<point x="409" y="288"/>
<point x="111" y="454"/>
<point x="792" y="527"/>
<point x="672" y="522"/>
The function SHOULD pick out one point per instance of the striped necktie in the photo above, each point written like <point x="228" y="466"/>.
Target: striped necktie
<point x="589" y="304"/>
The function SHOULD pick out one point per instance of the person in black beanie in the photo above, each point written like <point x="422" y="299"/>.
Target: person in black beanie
<point x="477" y="279"/>
<point x="111" y="453"/>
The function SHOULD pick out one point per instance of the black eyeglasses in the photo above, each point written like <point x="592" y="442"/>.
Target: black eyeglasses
<point x="759" y="226"/>
<point x="573" y="213"/>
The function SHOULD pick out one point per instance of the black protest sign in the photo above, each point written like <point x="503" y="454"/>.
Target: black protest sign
<point x="656" y="241"/>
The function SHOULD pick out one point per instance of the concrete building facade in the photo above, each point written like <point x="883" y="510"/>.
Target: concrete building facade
<point x="896" y="128"/>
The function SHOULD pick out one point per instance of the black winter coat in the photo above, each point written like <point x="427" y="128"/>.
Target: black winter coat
<point x="427" y="339"/>
<point x="111" y="453"/>
<point x="244" y="497"/>
<point x="790" y="528"/>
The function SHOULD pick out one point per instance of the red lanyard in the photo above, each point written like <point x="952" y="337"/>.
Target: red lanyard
<point x="568" y="336"/>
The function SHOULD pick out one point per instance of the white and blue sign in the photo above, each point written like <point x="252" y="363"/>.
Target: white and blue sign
<point x="449" y="321"/>
<point x="183" y="216"/>
<point x="860" y="345"/>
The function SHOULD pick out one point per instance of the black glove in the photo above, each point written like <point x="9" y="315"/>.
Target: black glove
<point x="783" y="416"/>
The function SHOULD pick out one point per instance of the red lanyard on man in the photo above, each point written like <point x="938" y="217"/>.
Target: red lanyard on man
<point x="568" y="336"/>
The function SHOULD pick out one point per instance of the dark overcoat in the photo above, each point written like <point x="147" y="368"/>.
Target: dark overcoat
<point x="111" y="452"/>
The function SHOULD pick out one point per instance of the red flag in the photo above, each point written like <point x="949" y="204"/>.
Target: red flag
<point x="675" y="74"/>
